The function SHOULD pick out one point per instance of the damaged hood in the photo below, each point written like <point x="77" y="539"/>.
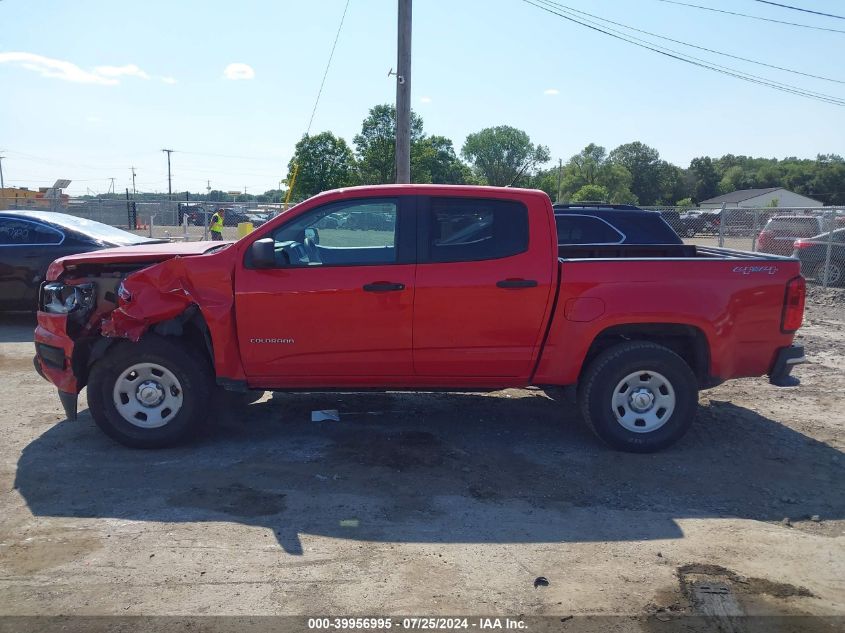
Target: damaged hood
<point x="140" y="254"/>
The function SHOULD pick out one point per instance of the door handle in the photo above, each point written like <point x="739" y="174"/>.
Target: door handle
<point x="383" y="286"/>
<point x="516" y="283"/>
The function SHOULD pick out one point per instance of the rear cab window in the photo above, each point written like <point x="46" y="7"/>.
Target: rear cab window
<point x="794" y="227"/>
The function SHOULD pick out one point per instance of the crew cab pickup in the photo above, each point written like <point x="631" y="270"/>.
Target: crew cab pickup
<point x="413" y="287"/>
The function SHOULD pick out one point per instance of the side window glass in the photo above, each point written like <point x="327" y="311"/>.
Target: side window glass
<point x="355" y="233"/>
<point x="19" y="232"/>
<point x="473" y="230"/>
<point x="575" y="229"/>
<point x="41" y="234"/>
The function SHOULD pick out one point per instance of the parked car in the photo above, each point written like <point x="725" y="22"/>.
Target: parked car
<point x="611" y="224"/>
<point x="780" y="232"/>
<point x="699" y="223"/>
<point x="30" y="240"/>
<point x="812" y="253"/>
<point x="233" y="217"/>
<point x="196" y="213"/>
<point x="466" y="292"/>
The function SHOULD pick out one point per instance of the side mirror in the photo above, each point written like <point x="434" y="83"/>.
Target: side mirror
<point x="313" y="234"/>
<point x="263" y="253"/>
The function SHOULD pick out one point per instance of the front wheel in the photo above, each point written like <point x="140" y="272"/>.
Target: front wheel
<point x="150" y="394"/>
<point x="638" y="397"/>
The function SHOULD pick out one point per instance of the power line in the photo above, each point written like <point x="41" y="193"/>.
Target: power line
<point x="701" y="48"/>
<point x="693" y="60"/>
<point x="697" y="62"/>
<point x="228" y="156"/>
<point x="328" y="65"/>
<point x="753" y="17"/>
<point x="788" y="6"/>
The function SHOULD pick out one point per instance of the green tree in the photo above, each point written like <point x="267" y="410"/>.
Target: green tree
<point x="706" y="178"/>
<point x="325" y="162"/>
<point x="503" y="155"/>
<point x="591" y="166"/>
<point x="376" y="144"/>
<point x="591" y="193"/>
<point x="646" y="168"/>
<point x="433" y="160"/>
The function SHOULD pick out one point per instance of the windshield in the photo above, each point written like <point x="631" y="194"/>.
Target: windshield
<point x="95" y="230"/>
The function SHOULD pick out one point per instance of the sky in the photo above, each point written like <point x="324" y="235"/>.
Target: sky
<point x="91" y="88"/>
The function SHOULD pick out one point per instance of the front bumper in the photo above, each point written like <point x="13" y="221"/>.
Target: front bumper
<point x="785" y="360"/>
<point x="53" y="359"/>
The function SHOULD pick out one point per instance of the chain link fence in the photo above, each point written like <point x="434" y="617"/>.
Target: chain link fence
<point x="167" y="219"/>
<point x="816" y="235"/>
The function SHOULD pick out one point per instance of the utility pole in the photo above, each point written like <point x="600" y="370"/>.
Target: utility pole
<point x="2" y="182"/>
<point x="208" y="190"/>
<point x="111" y="186"/>
<point x="133" y="182"/>
<point x="559" y="174"/>
<point x="403" y="94"/>
<point x="169" y="184"/>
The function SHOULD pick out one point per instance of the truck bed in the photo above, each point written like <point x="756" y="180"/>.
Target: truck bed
<point x="652" y="251"/>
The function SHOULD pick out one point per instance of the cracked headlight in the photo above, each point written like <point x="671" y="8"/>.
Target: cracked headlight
<point x="59" y="298"/>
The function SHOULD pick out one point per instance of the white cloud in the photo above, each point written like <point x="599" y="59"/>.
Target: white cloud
<point x="129" y="70"/>
<point x="93" y="119"/>
<point x="55" y="68"/>
<point x="551" y="91"/>
<point x="425" y="99"/>
<point x="68" y="71"/>
<point x="238" y="71"/>
<point x="168" y="80"/>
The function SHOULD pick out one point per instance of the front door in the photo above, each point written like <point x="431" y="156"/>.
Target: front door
<point x="338" y="305"/>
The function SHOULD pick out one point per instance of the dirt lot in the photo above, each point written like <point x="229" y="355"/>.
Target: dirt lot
<point x="430" y="504"/>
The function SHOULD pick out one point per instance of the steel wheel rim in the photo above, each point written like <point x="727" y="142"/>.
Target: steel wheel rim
<point x="643" y="401"/>
<point x="147" y="395"/>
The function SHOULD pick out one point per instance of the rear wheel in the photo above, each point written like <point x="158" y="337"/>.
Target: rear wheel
<point x="150" y="394"/>
<point x="834" y="271"/>
<point x="638" y="397"/>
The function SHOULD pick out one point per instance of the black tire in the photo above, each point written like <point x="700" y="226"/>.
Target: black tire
<point x="690" y="232"/>
<point x="598" y="387"/>
<point x="190" y="368"/>
<point x="836" y="273"/>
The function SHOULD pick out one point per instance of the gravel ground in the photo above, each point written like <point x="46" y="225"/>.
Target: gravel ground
<point x="430" y="504"/>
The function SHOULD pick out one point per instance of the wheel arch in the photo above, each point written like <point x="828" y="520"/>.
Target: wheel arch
<point x="687" y="341"/>
<point x="189" y="326"/>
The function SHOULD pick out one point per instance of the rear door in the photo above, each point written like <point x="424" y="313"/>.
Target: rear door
<point x="337" y="307"/>
<point x="483" y="286"/>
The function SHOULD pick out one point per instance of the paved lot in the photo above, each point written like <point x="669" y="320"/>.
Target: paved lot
<point x="428" y="503"/>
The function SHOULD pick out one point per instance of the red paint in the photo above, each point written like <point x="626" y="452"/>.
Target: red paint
<point x="450" y="326"/>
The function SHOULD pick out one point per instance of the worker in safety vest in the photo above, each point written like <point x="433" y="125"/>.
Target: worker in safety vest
<point x="217" y="225"/>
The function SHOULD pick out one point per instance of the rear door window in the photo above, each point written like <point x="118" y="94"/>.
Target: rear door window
<point x="466" y="229"/>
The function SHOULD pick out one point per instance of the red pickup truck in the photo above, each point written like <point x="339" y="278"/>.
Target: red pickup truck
<point x="420" y="287"/>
